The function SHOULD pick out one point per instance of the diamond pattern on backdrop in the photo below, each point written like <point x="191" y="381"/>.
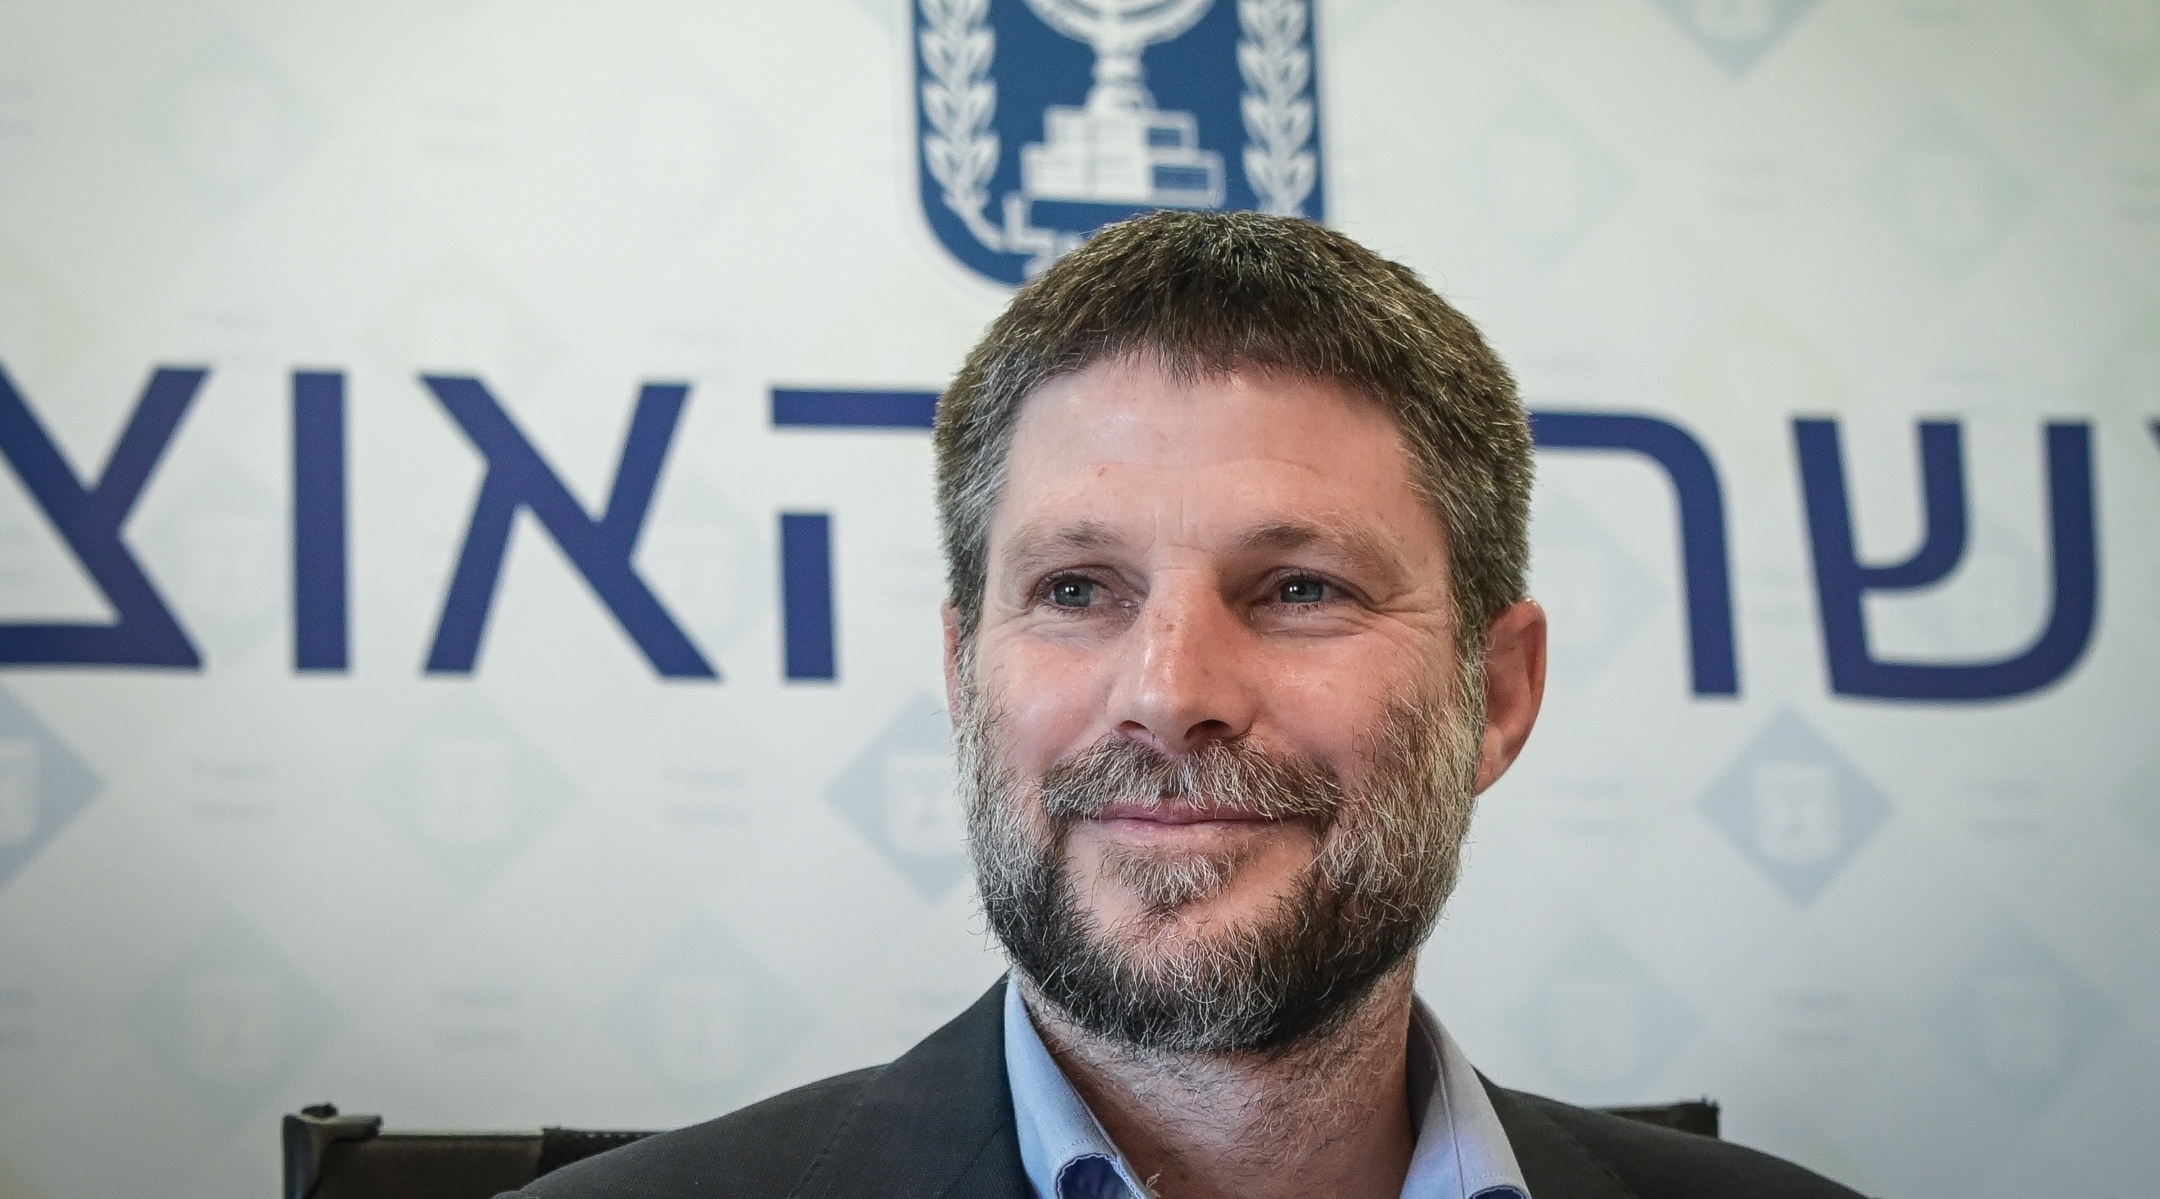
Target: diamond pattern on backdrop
<point x="220" y="557"/>
<point x="2021" y="1020"/>
<point x="458" y="318"/>
<point x="232" y="1020"/>
<point x="700" y="552"/>
<point x="445" y="151"/>
<point x="1794" y="807"/>
<point x="1601" y="1021"/>
<point x="43" y="786"/>
<point x="708" y="1018"/>
<point x="468" y="792"/>
<point x="1997" y="604"/>
<point x="682" y="142"/>
<point x="899" y="795"/>
<point x="1596" y="593"/>
<point x="1737" y="34"/>
<point x="1950" y="197"/>
<point x="227" y="120"/>
<point x="1543" y="179"/>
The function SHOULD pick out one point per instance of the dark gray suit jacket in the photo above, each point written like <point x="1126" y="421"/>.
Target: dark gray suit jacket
<point x="939" y="1123"/>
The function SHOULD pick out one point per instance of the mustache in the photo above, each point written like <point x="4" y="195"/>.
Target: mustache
<point x="1238" y="775"/>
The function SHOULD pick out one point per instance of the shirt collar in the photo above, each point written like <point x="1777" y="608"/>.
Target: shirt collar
<point x="1063" y="1147"/>
<point x="1462" y="1152"/>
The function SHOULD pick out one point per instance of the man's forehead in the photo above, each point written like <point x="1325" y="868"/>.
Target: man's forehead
<point x="1362" y="543"/>
<point x="1140" y="405"/>
<point x="1126" y="452"/>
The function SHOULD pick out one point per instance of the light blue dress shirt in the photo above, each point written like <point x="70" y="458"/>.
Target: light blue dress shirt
<point x="1461" y="1153"/>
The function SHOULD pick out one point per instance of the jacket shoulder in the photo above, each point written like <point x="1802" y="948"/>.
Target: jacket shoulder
<point x="1661" y="1163"/>
<point x="934" y="1124"/>
<point x="762" y="1150"/>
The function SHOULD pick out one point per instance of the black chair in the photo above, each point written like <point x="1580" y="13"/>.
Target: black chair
<point x="1698" y="1116"/>
<point x="329" y="1156"/>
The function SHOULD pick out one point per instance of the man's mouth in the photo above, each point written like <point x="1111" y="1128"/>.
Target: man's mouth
<point x="1179" y="812"/>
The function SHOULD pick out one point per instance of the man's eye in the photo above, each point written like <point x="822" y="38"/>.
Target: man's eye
<point x="1303" y="591"/>
<point x="1072" y="592"/>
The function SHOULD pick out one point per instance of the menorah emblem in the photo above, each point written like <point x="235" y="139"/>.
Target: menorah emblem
<point x="1119" y="148"/>
<point x="1095" y="144"/>
<point x="1119" y="30"/>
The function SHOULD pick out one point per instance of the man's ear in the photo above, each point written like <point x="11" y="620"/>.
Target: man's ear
<point x="950" y="616"/>
<point x="1514" y="686"/>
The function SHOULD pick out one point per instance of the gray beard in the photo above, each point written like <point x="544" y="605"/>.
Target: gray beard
<point x="1389" y="856"/>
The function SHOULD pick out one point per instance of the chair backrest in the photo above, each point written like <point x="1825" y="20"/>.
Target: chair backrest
<point x="1699" y="1116"/>
<point x="329" y="1156"/>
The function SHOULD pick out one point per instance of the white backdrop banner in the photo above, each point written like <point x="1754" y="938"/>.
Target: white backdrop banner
<point x="468" y="635"/>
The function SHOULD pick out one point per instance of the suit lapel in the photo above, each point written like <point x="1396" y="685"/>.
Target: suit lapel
<point x="935" y="1124"/>
<point x="938" y="1124"/>
<point x="1554" y="1164"/>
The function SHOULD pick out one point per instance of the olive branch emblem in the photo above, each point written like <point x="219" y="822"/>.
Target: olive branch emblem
<point x="962" y="150"/>
<point x="1278" y="114"/>
<point x="958" y="100"/>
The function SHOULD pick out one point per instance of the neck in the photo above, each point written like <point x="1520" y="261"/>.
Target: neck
<point x="1327" y="1117"/>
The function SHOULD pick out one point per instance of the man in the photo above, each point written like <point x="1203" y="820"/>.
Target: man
<point x="1235" y="516"/>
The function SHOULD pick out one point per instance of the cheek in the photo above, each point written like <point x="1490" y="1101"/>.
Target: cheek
<point x="1327" y="702"/>
<point x="1051" y="699"/>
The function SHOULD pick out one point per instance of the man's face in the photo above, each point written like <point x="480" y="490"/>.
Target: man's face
<point x="1213" y="698"/>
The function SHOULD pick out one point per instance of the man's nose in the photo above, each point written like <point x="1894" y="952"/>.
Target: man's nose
<point x="1186" y="677"/>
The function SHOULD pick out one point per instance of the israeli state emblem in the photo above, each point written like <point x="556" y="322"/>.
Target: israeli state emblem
<point x="1040" y="121"/>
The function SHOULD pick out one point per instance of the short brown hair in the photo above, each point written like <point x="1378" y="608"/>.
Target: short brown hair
<point x="1208" y="293"/>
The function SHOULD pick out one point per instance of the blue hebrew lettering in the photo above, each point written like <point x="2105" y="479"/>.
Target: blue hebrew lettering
<point x="807" y="408"/>
<point x="806" y="587"/>
<point x="806" y="595"/>
<point x="90" y="519"/>
<point x="518" y="477"/>
<point x="1111" y="108"/>
<point x="1842" y="583"/>
<point x="320" y="620"/>
<point x="1701" y="502"/>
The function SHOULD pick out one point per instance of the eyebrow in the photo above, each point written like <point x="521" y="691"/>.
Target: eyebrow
<point x="1032" y="546"/>
<point x="1362" y="549"/>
